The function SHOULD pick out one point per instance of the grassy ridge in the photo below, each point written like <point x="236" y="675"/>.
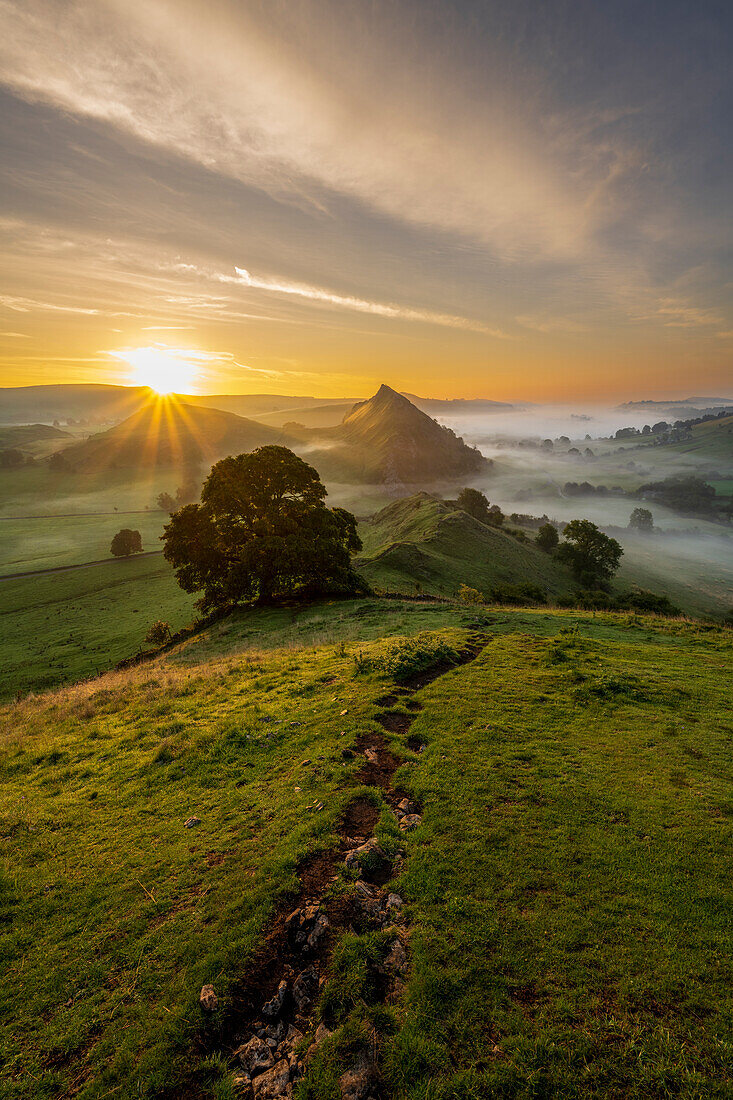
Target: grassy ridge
<point x="427" y="540"/>
<point x="568" y="887"/>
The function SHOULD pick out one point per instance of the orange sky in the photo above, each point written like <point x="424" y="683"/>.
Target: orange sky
<point x="421" y="194"/>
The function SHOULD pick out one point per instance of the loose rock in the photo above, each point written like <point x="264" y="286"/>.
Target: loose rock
<point x="396" y="960"/>
<point x="372" y="847"/>
<point x="305" y="988"/>
<point x="410" y="822"/>
<point x="356" y="1082"/>
<point x="274" y="1005"/>
<point x="273" y="1083"/>
<point x="255" y="1056"/>
<point x="208" y="998"/>
<point x="191" y="822"/>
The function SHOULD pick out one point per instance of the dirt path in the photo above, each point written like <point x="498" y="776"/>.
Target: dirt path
<point x="273" y="1008"/>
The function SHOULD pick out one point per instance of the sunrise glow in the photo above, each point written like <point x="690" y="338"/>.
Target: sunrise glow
<point x="163" y="369"/>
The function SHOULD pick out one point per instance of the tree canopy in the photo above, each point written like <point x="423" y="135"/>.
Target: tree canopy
<point x="592" y="556"/>
<point x="641" y="519"/>
<point x="262" y="530"/>
<point x="547" y="537"/>
<point x="126" y="542"/>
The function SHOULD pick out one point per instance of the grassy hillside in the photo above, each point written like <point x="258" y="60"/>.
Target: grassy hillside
<point x="565" y="890"/>
<point x="167" y="432"/>
<point x="424" y="539"/>
<point x="60" y="627"/>
<point x="712" y="440"/>
<point x="21" y="436"/>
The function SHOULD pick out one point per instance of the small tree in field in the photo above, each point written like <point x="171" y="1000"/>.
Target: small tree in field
<point x="166" y="503"/>
<point x="592" y="556"/>
<point x="547" y="537"/>
<point x="158" y="634"/>
<point x="126" y="542"/>
<point x="262" y="531"/>
<point x="641" y="519"/>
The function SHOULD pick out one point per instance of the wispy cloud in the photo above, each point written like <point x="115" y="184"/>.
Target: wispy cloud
<point x="277" y="106"/>
<point x="360" y="305"/>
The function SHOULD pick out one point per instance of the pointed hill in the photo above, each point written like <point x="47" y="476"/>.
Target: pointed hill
<point x="167" y="432"/>
<point x="388" y="440"/>
<point x="424" y="540"/>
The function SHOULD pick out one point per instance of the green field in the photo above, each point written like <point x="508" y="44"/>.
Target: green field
<point x="65" y="626"/>
<point x="31" y="544"/>
<point x="566" y="892"/>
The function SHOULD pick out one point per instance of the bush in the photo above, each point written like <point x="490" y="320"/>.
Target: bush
<point x="470" y="595"/>
<point x="521" y="593"/>
<point x="406" y="658"/>
<point x="158" y="634"/>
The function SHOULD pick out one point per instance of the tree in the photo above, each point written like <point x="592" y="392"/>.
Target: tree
<point x="641" y="519"/>
<point x="166" y="503"/>
<point x="496" y="516"/>
<point x="158" y="634"/>
<point x="126" y="542"/>
<point x="11" y="459"/>
<point x="262" y="531"/>
<point x="475" y="503"/>
<point x="592" y="556"/>
<point x="547" y="537"/>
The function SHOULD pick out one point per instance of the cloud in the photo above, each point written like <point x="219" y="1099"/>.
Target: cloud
<point x="361" y="305"/>
<point x="284" y="102"/>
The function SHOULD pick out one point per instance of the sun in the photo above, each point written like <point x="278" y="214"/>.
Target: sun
<point x="163" y="369"/>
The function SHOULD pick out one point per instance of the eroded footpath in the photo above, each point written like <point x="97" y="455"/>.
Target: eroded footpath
<point x="273" y="1028"/>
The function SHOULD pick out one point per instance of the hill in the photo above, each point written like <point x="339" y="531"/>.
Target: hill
<point x="389" y="441"/>
<point x="101" y="404"/>
<point x="436" y="406"/>
<point x="551" y="918"/>
<point x="711" y="440"/>
<point x="95" y="403"/>
<point x="167" y="432"/>
<point x="21" y="436"/>
<point x="428" y="541"/>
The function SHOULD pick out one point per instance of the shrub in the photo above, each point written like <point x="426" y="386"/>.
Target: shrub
<point x="520" y="593"/>
<point x="158" y="634"/>
<point x="470" y="595"/>
<point x="406" y="658"/>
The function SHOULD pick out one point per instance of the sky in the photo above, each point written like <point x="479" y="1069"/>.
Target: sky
<point x="526" y="200"/>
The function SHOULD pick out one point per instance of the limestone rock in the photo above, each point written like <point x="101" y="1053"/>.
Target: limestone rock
<point x="255" y="1056"/>
<point x="208" y="998"/>
<point x="371" y="847"/>
<point x="274" y="1005"/>
<point x="273" y="1083"/>
<point x="305" y="987"/>
<point x="357" y="1080"/>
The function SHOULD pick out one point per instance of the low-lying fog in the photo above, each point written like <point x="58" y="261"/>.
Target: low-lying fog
<point x="549" y="422"/>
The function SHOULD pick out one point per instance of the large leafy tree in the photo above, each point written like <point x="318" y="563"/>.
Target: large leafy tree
<point x="126" y="542"/>
<point x="262" y="530"/>
<point x="593" y="556"/>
